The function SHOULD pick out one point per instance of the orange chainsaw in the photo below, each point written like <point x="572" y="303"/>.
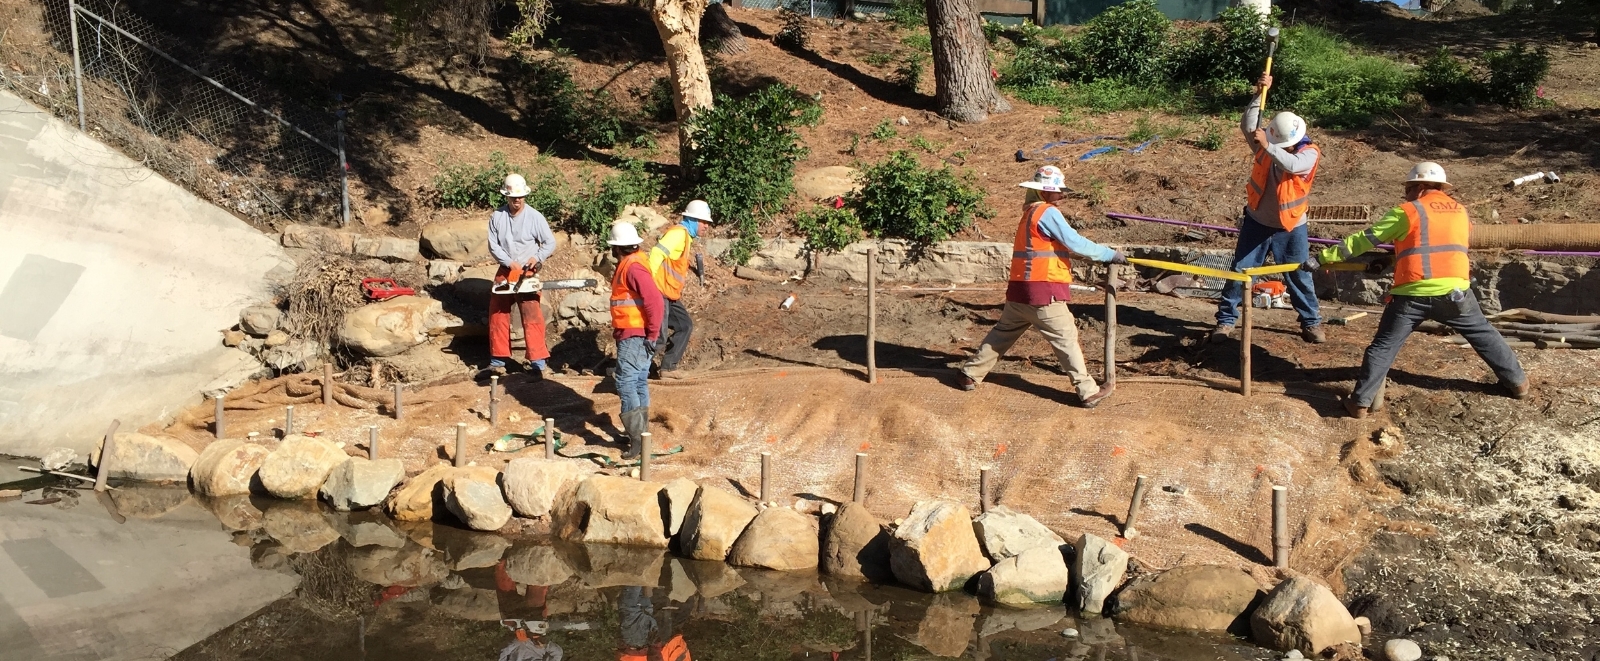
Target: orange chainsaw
<point x="525" y="282"/>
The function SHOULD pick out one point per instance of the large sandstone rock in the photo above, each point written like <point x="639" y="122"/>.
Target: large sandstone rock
<point x="533" y="483"/>
<point x="713" y="579"/>
<point x="946" y="627"/>
<point x="856" y="545"/>
<point x="1199" y="597"/>
<point x="1097" y="569"/>
<point x="468" y="603"/>
<point x="537" y="565"/>
<point x="234" y="512"/>
<point x="388" y="328"/>
<point x="585" y="309"/>
<point x="635" y="214"/>
<point x="368" y="529"/>
<point x="148" y="501"/>
<point x="1005" y="533"/>
<point x="390" y="248"/>
<point x="319" y="238"/>
<point x="415" y="499"/>
<point x="612" y="565"/>
<point x="613" y="510"/>
<point x="410" y="565"/>
<point x="826" y="183"/>
<point x="359" y="483"/>
<point x="146" y="458"/>
<point x="1300" y="614"/>
<point x="258" y="320"/>
<point x="461" y="240"/>
<point x="1035" y="576"/>
<point x="299" y="527"/>
<point x="778" y="538"/>
<point x="474" y="550"/>
<point x="935" y="550"/>
<point x="227" y="467"/>
<point x="1021" y="619"/>
<point x="678" y="494"/>
<point x="299" y="465"/>
<point x="712" y="524"/>
<point x="473" y="494"/>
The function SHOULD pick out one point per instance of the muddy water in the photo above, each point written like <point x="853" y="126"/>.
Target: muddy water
<point x="155" y="573"/>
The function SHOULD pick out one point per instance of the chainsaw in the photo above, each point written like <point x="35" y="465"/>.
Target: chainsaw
<point x="526" y="283"/>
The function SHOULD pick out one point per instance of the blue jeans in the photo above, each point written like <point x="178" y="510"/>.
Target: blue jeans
<point x="633" y="373"/>
<point x="1459" y="311"/>
<point x="1287" y="247"/>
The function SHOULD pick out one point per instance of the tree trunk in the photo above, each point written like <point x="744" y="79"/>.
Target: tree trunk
<point x="678" y="23"/>
<point x="718" y="28"/>
<point x="965" y="90"/>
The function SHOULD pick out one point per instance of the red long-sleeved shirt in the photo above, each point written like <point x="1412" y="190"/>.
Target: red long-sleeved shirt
<point x="644" y="286"/>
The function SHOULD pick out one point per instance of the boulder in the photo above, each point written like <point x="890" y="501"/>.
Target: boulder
<point x="468" y="603"/>
<point x="408" y="566"/>
<point x="946" y="626"/>
<point x="1401" y="649"/>
<point x="679" y="587"/>
<point x="1036" y="576"/>
<point x="388" y="328"/>
<point x="778" y="538"/>
<point x="59" y="458"/>
<point x="318" y="238"/>
<point x="678" y="494"/>
<point x="367" y="529"/>
<point x="298" y="355"/>
<point x="359" y="483"/>
<point x="1097" y="569"/>
<point x="537" y="565"/>
<point x="299" y="527"/>
<point x="148" y="501"/>
<point x="935" y="550"/>
<point x="826" y="183"/>
<point x="461" y="240"/>
<point x="443" y="272"/>
<point x="651" y="219"/>
<point x="473" y="494"/>
<point x="234" y="512"/>
<point x="1299" y="614"/>
<point x="532" y="484"/>
<point x="147" y="458"/>
<point x="712" y="524"/>
<point x="856" y="545"/>
<point x="1197" y="597"/>
<point x="275" y="339"/>
<point x="299" y="465"/>
<point x="258" y="320"/>
<point x="611" y="566"/>
<point x="227" y="467"/>
<point x="1006" y="533"/>
<point x="712" y="579"/>
<point x="612" y="510"/>
<point x="1021" y="619"/>
<point x="415" y="499"/>
<point x="233" y="338"/>
<point x="390" y="248"/>
<point x="474" y="550"/>
<point x="584" y="309"/>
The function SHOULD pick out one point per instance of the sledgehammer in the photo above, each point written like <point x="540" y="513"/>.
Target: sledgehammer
<point x="1272" y="49"/>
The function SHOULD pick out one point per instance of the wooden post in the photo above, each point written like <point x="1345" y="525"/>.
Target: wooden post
<point x="219" y="430"/>
<point x="397" y="401"/>
<point x="1128" y="532"/>
<point x="549" y="438"/>
<point x="461" y="444"/>
<point x="1245" y="339"/>
<point x="327" y="384"/>
<point x="372" y="442"/>
<point x="107" y="449"/>
<point x="1038" y="13"/>
<point x="861" y="479"/>
<point x="288" y="420"/>
<point x="1111" y="327"/>
<point x="644" y="457"/>
<point x="1280" y="527"/>
<point x="983" y="489"/>
<point x="494" y="401"/>
<point x="872" y="314"/>
<point x="766" y="475"/>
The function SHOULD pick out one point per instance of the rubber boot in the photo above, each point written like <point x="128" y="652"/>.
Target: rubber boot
<point x="633" y="427"/>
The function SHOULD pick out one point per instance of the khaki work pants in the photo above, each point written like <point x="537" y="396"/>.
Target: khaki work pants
<point x="1055" y="322"/>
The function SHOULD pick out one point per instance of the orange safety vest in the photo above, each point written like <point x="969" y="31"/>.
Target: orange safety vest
<point x="1036" y="257"/>
<point x="1294" y="190"/>
<point x="627" y="309"/>
<point x="1435" y="246"/>
<point x="673" y="650"/>
<point x="674" y="272"/>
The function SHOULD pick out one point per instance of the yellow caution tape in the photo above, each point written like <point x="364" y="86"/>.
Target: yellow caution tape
<point x="1270" y="270"/>
<point x="1190" y="268"/>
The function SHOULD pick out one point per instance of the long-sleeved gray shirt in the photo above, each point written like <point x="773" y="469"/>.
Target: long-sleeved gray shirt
<point x="523" y="238"/>
<point x="1283" y="161"/>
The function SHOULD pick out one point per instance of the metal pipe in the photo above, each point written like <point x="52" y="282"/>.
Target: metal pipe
<point x="344" y="174"/>
<point x="397" y="401"/>
<point x="549" y="438"/>
<point x="644" y="457"/>
<point x="219" y="430"/>
<point x="1139" y="484"/>
<point x="983" y="489"/>
<point x="1111" y="327"/>
<point x="861" y="479"/>
<point x="1280" y="527"/>
<point x="372" y="442"/>
<point x="494" y="401"/>
<point x="327" y="384"/>
<point x="77" y="64"/>
<point x="288" y="420"/>
<point x="107" y="449"/>
<point x="766" y="473"/>
<point x="42" y="471"/>
<point x="1245" y="339"/>
<point x="461" y="444"/>
<point x="872" y="314"/>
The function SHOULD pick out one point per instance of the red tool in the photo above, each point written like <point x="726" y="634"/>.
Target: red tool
<point x="382" y="289"/>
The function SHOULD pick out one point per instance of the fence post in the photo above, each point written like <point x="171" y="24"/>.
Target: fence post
<point x="1038" y="12"/>
<point x="872" y="314"/>
<point x="344" y="171"/>
<point x="77" y="64"/>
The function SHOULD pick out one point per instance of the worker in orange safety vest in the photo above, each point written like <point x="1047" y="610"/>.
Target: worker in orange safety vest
<point x="636" y="312"/>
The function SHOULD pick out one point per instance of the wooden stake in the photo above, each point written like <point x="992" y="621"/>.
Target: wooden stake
<point x="372" y="442"/>
<point x="1128" y="531"/>
<point x="461" y="444"/>
<point x="872" y="315"/>
<point x="766" y="474"/>
<point x="1280" y="527"/>
<point x="1111" y="327"/>
<point x="494" y="401"/>
<point x="107" y="450"/>
<point x="1245" y="339"/>
<point x="549" y="438"/>
<point x="861" y="479"/>
<point x="327" y="384"/>
<point x="644" y="457"/>
<point x="983" y="489"/>
<point x="219" y="430"/>
<point x="288" y="420"/>
<point x="397" y="400"/>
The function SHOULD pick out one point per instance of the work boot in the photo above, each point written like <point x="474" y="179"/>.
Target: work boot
<point x="1094" y="400"/>
<point x="633" y="425"/>
<point x="966" y="383"/>
<point x="1222" y="332"/>
<point x="1314" y="334"/>
<point x="1355" y="410"/>
<point x="1519" y="391"/>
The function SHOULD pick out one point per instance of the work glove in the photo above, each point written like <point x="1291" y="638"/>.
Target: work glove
<point x="650" y="346"/>
<point x="1119" y="258"/>
<point x="1311" y="265"/>
<point x="700" y="268"/>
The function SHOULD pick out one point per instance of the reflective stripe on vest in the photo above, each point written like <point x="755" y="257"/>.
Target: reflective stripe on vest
<point x="626" y="312"/>
<point x="1435" y="245"/>
<point x="1293" y="190"/>
<point x="674" y="272"/>
<point x="1036" y="257"/>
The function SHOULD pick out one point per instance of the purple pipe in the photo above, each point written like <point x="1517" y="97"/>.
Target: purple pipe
<point x="1326" y="242"/>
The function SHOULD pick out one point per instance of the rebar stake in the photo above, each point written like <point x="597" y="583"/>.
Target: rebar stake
<point x="220" y="428"/>
<point x="1128" y="531"/>
<point x="372" y="442"/>
<point x="397" y="401"/>
<point x="549" y="438"/>
<point x="872" y="315"/>
<point x="1245" y="339"/>
<point x="288" y="420"/>
<point x="1280" y="527"/>
<point x="983" y="489"/>
<point x="107" y="450"/>
<point x="860" y="494"/>
<point x="766" y="473"/>
<point x="461" y="444"/>
<point x="494" y="401"/>
<point x="644" y="457"/>
<point x="327" y="384"/>
<point x="1111" y="327"/>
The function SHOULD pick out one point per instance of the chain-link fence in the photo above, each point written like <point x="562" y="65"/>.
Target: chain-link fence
<point x="217" y="132"/>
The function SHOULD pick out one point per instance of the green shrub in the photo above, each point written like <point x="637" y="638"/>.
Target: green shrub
<point x="1515" y="75"/>
<point x="555" y="107"/>
<point x="883" y="131"/>
<point x="592" y="209"/>
<point x="1031" y="68"/>
<point x="879" y="58"/>
<point x="794" y="33"/>
<point x="1212" y="138"/>
<point x="465" y="185"/>
<point x="901" y="198"/>
<point x="655" y="101"/>
<point x="744" y="156"/>
<point x="909" y="73"/>
<point x="908" y="13"/>
<point x="1443" y="78"/>
<point x="918" y="41"/>
<point x="1332" y="83"/>
<point x="1224" y="56"/>
<point x="828" y="229"/>
<point x="1126" y="41"/>
<point x="1112" y="95"/>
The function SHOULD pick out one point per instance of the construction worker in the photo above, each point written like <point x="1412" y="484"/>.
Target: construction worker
<point x="636" y="312"/>
<point x="1284" y="165"/>
<point x="670" y="264"/>
<point x="642" y="633"/>
<point x="1039" y="287"/>
<point x="1431" y="281"/>
<point x="521" y="241"/>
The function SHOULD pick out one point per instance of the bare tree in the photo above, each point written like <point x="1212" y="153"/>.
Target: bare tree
<point x="678" y="23"/>
<point x="965" y="88"/>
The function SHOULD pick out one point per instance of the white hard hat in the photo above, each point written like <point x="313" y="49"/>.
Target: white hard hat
<point x="698" y="210"/>
<point x="515" y="186"/>
<point x="1286" y="129"/>
<point x="1428" y="172"/>
<point x="1048" y="178"/>
<point x="623" y="233"/>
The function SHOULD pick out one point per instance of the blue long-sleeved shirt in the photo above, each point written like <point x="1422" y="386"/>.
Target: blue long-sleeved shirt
<point x="1054" y="225"/>
<point x="522" y="239"/>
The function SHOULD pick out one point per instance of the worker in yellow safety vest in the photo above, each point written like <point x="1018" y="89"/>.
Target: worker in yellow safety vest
<point x="1039" y="286"/>
<point x="670" y="264"/>
<point x="1431" y="281"/>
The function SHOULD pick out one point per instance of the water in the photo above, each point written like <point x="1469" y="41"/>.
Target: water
<point x="248" y="578"/>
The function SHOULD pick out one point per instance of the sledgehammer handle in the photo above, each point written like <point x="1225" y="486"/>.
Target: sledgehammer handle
<point x="1272" y="49"/>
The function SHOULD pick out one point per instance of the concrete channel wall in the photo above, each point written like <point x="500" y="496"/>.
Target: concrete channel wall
<point x="113" y="285"/>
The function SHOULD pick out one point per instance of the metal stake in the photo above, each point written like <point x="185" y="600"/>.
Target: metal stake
<point x="1244" y="338"/>
<point x="397" y="401"/>
<point x="1280" y="527"/>
<point x="1139" y="485"/>
<point x="327" y="384"/>
<point x="1111" y="327"/>
<point x="861" y="479"/>
<point x="344" y="171"/>
<point x="644" y="457"/>
<point x="461" y="444"/>
<point x="288" y="420"/>
<point x="983" y="489"/>
<point x="107" y="449"/>
<point x="494" y="401"/>
<point x="549" y="438"/>
<point x="77" y="64"/>
<point x="766" y="473"/>
<point x="872" y="314"/>
<point x="372" y="442"/>
<point x="220" y="428"/>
